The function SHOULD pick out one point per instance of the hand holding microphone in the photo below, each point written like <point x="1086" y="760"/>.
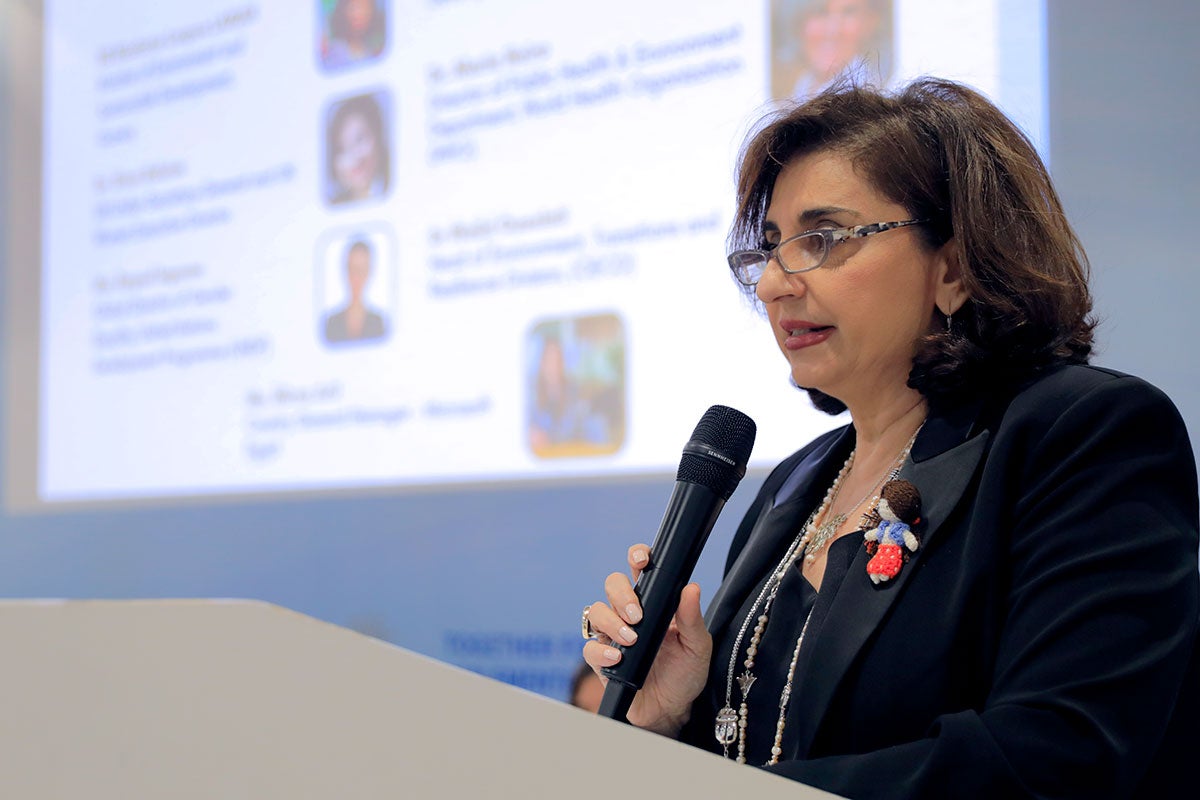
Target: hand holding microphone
<point x="638" y="619"/>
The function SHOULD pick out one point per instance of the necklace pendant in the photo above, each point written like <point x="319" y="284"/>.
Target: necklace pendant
<point x="745" y="681"/>
<point x="726" y="728"/>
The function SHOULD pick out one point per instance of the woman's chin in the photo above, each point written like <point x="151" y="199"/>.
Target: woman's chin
<point x="805" y="380"/>
<point x="806" y="377"/>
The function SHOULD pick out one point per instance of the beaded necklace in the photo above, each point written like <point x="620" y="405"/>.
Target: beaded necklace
<point x="730" y="725"/>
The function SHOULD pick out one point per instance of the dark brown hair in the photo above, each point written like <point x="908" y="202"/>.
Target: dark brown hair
<point x="949" y="156"/>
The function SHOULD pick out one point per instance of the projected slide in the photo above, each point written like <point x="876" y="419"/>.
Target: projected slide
<point x="305" y="245"/>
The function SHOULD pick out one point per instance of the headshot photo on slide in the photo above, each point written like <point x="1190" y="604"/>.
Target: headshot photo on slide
<point x="816" y="43"/>
<point x="356" y="286"/>
<point x="357" y="142"/>
<point x="351" y="32"/>
<point x="576" y="397"/>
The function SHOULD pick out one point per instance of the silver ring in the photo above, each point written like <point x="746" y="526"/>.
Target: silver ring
<point x="586" y="625"/>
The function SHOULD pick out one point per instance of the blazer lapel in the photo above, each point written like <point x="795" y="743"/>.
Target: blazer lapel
<point x="941" y="475"/>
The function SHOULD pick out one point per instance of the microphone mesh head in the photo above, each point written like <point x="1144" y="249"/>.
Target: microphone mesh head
<point x="729" y="435"/>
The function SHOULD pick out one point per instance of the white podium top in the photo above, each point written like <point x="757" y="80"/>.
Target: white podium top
<point x="239" y="699"/>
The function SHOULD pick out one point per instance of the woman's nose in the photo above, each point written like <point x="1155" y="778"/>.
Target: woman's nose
<point x="775" y="284"/>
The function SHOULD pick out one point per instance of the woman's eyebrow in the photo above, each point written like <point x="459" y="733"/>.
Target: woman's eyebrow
<point x="813" y="214"/>
<point x="810" y="216"/>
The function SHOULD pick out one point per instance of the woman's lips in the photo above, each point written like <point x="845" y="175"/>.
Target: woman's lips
<point x="802" y="333"/>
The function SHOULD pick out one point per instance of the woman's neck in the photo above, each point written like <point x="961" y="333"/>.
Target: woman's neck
<point x="883" y="428"/>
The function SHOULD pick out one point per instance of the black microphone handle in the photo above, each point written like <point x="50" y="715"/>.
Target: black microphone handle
<point x="690" y="516"/>
<point x="616" y="700"/>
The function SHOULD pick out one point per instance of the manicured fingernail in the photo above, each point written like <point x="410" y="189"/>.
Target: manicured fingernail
<point x="640" y="557"/>
<point x="611" y="654"/>
<point x="627" y="635"/>
<point x="633" y="613"/>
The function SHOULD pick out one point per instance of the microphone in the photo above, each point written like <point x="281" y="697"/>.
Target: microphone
<point x="713" y="463"/>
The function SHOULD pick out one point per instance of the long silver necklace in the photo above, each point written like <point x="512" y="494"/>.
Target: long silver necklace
<point x="731" y="725"/>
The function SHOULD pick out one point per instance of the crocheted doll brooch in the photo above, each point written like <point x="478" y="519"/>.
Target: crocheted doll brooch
<point x="899" y="510"/>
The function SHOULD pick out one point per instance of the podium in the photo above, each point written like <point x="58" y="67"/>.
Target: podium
<point x="242" y="699"/>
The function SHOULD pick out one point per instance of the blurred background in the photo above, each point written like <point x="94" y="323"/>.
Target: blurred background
<point x="399" y="313"/>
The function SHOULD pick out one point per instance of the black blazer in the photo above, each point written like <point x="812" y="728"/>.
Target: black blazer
<point x="1036" y="643"/>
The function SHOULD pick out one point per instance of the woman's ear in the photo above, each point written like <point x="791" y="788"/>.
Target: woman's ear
<point x="950" y="290"/>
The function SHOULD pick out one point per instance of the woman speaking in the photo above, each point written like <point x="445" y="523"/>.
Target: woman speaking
<point x="986" y="585"/>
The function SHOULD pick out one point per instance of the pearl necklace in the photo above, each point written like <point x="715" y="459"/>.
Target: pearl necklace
<point x="730" y="725"/>
<point x="820" y="536"/>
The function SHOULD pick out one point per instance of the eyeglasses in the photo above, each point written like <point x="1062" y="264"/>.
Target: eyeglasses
<point x="804" y="251"/>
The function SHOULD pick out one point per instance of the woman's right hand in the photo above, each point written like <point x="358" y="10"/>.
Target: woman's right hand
<point x="680" y="669"/>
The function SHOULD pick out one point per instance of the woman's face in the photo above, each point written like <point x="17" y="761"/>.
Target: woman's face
<point x="848" y="328"/>
<point x="357" y="159"/>
<point x="358" y="15"/>
<point x="358" y="271"/>
<point x="836" y="34"/>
